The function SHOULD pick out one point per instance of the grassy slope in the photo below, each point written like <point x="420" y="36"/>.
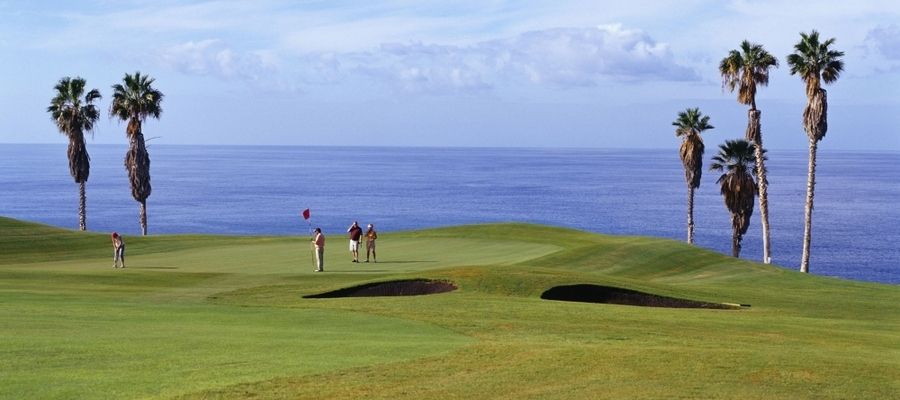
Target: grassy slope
<point x="208" y="317"/>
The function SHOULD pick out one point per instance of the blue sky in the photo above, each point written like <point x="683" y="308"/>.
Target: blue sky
<point x="468" y="73"/>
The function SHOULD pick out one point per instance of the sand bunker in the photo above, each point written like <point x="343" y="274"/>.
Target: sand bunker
<point x="611" y="295"/>
<point x="408" y="287"/>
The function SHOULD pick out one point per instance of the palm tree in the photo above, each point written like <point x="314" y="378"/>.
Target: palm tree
<point x="690" y="123"/>
<point x="815" y="62"/>
<point x="736" y="160"/>
<point x="74" y="116"/>
<point x="744" y="69"/>
<point x="134" y="101"/>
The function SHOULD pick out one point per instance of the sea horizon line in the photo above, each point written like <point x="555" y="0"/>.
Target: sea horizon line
<point x="443" y="147"/>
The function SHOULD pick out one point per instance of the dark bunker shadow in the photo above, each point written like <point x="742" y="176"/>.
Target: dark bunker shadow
<point x="586" y="293"/>
<point x="407" y="287"/>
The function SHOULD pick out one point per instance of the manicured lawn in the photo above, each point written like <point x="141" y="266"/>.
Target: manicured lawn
<point x="223" y="317"/>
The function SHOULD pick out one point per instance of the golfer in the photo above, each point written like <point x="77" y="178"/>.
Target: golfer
<point x="371" y="235"/>
<point x="319" y="241"/>
<point x="118" y="250"/>
<point x="355" y="233"/>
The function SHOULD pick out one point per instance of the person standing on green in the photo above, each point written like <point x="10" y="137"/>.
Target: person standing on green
<point x="319" y="241"/>
<point x="371" y="235"/>
<point x="355" y="233"/>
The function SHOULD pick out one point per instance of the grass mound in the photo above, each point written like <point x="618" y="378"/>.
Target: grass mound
<point x="406" y="287"/>
<point x="586" y="293"/>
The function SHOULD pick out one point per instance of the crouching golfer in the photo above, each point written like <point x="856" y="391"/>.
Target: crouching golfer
<point x="319" y="241"/>
<point x="118" y="250"/>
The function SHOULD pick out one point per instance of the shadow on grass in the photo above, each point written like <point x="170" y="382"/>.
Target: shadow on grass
<point x="586" y="293"/>
<point x="406" y="287"/>
<point x="358" y="271"/>
<point x="401" y="262"/>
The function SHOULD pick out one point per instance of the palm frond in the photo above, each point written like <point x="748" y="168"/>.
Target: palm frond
<point x="736" y="159"/>
<point x="730" y="68"/>
<point x="74" y="116"/>
<point x="135" y="98"/>
<point x="71" y="114"/>
<point x="745" y="69"/>
<point x="815" y="61"/>
<point x="691" y="121"/>
<point x="689" y="125"/>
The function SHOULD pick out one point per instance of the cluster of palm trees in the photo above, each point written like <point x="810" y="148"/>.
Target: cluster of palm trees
<point x="742" y="161"/>
<point x="75" y="113"/>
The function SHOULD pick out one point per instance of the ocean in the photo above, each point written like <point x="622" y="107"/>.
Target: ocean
<point x="261" y="190"/>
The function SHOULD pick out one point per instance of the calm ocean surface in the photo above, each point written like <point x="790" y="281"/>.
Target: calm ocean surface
<point x="261" y="190"/>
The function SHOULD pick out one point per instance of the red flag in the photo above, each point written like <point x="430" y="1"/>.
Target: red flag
<point x="306" y="214"/>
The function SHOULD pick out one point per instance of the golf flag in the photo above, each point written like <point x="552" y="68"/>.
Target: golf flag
<point x="306" y="214"/>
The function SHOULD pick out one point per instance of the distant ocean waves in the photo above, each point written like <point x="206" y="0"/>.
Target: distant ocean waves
<point x="262" y="190"/>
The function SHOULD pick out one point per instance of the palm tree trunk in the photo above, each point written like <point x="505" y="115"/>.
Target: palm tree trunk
<point x="144" y="217"/>
<point x="764" y="212"/>
<point x="82" y="206"/>
<point x="810" y="194"/>
<point x="735" y="243"/>
<point x="80" y="169"/>
<point x="754" y="133"/>
<point x="137" y="162"/>
<point x="690" y="215"/>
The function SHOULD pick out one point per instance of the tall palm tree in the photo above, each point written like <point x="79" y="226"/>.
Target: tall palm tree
<point x="743" y="70"/>
<point x="690" y="123"/>
<point x="134" y="100"/>
<point x="74" y="113"/>
<point x="736" y="160"/>
<point x="815" y="62"/>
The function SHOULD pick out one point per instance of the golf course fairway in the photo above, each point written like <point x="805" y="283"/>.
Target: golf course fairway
<point x="208" y="317"/>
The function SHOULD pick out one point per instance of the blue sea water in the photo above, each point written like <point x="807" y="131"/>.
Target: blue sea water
<point x="262" y="190"/>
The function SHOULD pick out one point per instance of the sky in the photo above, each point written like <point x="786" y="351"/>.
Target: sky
<point x="560" y="73"/>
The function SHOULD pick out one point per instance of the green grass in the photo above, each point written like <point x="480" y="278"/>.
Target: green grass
<point x="201" y="317"/>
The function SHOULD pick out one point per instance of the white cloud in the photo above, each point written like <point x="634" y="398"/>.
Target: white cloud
<point x="878" y="54"/>
<point x="584" y="57"/>
<point x="560" y="58"/>
<point x="212" y="57"/>
<point x="886" y="41"/>
<point x="421" y="68"/>
<point x="555" y="58"/>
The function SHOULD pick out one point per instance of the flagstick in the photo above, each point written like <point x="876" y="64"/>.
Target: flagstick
<point x="312" y="257"/>
<point x="306" y="216"/>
